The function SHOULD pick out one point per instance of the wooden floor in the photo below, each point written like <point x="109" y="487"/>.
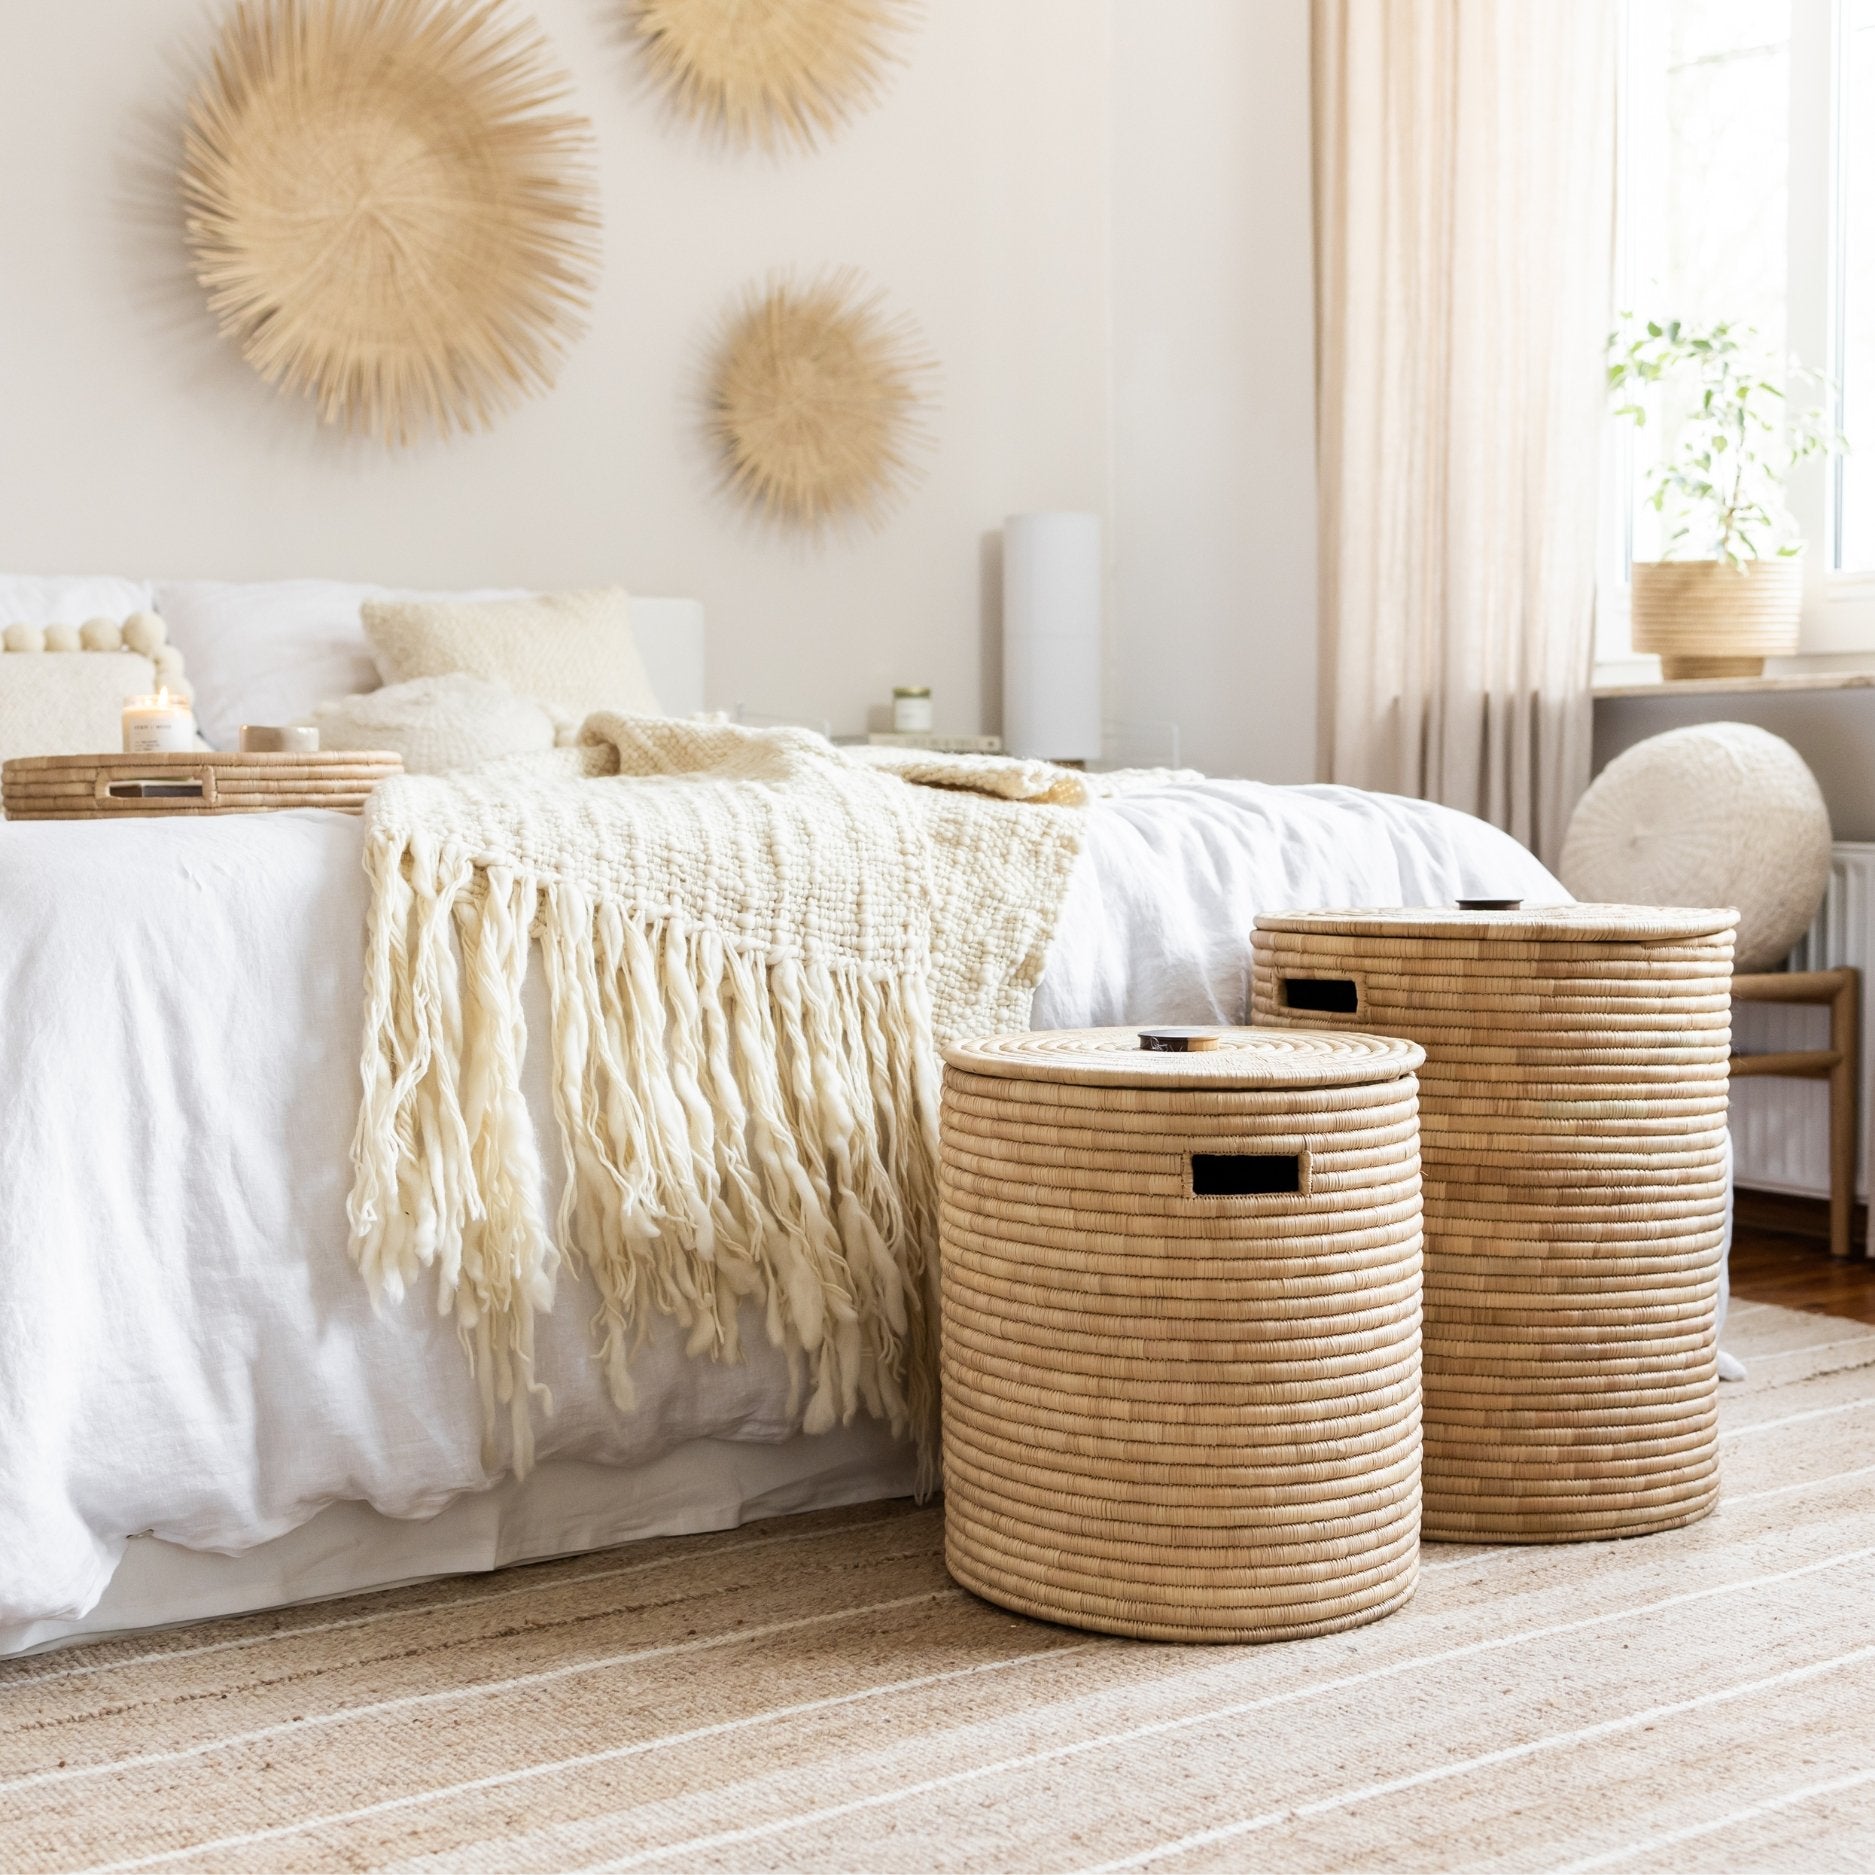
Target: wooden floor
<point x="1780" y="1253"/>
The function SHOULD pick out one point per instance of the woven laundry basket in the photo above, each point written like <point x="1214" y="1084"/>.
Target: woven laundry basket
<point x="1572" y="1119"/>
<point x="1181" y="1329"/>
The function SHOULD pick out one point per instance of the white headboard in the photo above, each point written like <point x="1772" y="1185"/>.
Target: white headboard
<point x="272" y="650"/>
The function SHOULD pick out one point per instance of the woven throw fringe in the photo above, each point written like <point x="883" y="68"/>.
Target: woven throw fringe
<point x="752" y="948"/>
<point x="732" y="1128"/>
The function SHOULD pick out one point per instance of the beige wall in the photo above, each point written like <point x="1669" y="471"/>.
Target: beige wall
<point x="1108" y="254"/>
<point x="1833" y="730"/>
<point x="1213" y="380"/>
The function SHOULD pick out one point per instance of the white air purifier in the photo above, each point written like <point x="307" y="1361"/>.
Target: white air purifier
<point x="1051" y="636"/>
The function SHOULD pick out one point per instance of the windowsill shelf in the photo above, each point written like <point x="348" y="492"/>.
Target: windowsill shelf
<point x="1737" y="686"/>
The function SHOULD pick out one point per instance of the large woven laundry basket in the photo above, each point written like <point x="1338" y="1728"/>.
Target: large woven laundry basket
<point x="1573" y="1109"/>
<point x="1181" y="1329"/>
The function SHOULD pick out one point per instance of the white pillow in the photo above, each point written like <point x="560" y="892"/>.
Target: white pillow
<point x="270" y="651"/>
<point x="437" y="723"/>
<point x="26" y="601"/>
<point x="571" y="650"/>
<point x="266" y="652"/>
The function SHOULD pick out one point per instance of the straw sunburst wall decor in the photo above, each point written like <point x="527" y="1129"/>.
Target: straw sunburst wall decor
<point x="770" y="72"/>
<point x="390" y="207"/>
<point x="815" y="401"/>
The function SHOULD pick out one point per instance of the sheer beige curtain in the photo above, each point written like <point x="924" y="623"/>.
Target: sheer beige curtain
<point x="1464" y="202"/>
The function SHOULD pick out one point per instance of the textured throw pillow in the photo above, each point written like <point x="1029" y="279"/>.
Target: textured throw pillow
<point x="68" y="704"/>
<point x="571" y="650"/>
<point x="437" y="723"/>
<point x="63" y="686"/>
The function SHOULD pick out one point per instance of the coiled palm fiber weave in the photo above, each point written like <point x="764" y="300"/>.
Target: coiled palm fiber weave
<point x="1573" y="1108"/>
<point x="1173" y="1407"/>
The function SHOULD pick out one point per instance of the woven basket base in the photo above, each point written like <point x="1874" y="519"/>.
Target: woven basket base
<point x="1456" y="1520"/>
<point x="1152" y="1621"/>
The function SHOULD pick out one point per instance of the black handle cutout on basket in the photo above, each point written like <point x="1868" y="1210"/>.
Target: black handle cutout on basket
<point x="1244" y="1174"/>
<point x="191" y="790"/>
<point x="1335" y="996"/>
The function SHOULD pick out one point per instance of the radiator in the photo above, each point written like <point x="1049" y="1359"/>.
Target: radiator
<point x="1780" y="1129"/>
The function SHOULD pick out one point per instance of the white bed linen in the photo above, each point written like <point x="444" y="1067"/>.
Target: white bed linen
<point x="562" y="1508"/>
<point x="1156" y="925"/>
<point x="185" y="1349"/>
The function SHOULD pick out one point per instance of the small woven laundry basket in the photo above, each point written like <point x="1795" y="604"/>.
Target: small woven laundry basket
<point x="1181" y="1329"/>
<point x="1573" y="1108"/>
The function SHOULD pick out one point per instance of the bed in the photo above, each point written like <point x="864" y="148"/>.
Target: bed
<point x="201" y="1411"/>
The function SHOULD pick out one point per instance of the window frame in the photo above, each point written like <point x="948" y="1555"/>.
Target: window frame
<point x="1838" y="624"/>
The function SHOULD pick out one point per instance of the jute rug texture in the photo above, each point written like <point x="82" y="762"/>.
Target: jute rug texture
<point x="813" y="1693"/>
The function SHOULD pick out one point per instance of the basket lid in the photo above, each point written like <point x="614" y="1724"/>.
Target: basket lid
<point x="1209" y="1057"/>
<point x="1587" y="924"/>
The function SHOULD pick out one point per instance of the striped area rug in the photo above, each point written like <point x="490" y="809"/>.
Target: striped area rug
<point x="813" y="1694"/>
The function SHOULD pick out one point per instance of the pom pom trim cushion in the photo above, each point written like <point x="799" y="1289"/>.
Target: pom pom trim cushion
<point x="63" y="685"/>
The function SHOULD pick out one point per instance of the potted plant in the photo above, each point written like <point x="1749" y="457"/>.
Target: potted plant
<point x="1728" y="590"/>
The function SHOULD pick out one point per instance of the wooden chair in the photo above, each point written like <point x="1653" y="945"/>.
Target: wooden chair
<point x="1840" y="991"/>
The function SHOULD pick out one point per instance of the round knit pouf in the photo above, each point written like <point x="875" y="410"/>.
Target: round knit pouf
<point x="1572" y="1115"/>
<point x="1181" y="1301"/>
<point x="1718" y="814"/>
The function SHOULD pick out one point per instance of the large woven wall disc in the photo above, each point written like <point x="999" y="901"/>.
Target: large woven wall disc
<point x="815" y="400"/>
<point x="770" y="72"/>
<point x="1717" y="814"/>
<point x="391" y="209"/>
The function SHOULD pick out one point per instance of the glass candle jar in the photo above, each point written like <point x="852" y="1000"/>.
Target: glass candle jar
<point x="911" y="709"/>
<point x="158" y="725"/>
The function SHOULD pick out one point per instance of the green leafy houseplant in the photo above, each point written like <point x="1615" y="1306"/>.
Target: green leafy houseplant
<point x="1721" y="485"/>
<point x="1728" y="589"/>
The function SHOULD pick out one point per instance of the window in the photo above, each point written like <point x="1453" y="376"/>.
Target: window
<point x="1748" y="193"/>
<point x="1854" y="492"/>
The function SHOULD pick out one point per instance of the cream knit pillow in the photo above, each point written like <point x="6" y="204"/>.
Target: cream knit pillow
<point x="571" y="650"/>
<point x="437" y="724"/>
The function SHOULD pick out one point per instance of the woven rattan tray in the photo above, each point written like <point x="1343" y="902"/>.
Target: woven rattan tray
<point x="110" y="787"/>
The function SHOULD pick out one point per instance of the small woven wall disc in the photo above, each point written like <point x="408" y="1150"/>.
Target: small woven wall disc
<point x="814" y="401"/>
<point x="770" y="72"/>
<point x="390" y="208"/>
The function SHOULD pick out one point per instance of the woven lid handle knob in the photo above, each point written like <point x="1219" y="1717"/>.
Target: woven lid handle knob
<point x="1490" y="904"/>
<point x="1180" y="1041"/>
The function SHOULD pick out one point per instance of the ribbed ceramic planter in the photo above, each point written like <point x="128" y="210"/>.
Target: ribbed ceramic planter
<point x="1181" y="1330"/>
<point x="1708" y="618"/>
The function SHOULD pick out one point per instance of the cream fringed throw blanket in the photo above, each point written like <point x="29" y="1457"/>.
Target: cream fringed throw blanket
<point x="752" y="947"/>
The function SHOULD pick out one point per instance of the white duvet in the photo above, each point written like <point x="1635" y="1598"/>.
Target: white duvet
<point x="185" y="1348"/>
